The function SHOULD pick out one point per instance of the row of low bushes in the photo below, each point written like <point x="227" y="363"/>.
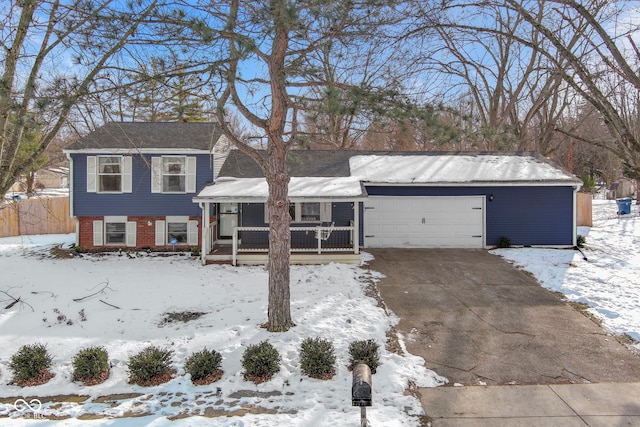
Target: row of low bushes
<point x="152" y="366"/>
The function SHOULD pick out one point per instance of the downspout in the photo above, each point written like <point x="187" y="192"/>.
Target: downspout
<point x="71" y="187"/>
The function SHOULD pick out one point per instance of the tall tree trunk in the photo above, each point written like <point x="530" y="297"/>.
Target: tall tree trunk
<point x="279" y="313"/>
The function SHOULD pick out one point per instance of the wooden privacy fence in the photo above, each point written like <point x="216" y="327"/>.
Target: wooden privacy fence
<point x="36" y="216"/>
<point x="583" y="208"/>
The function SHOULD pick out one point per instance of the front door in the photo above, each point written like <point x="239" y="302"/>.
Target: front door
<point x="227" y="220"/>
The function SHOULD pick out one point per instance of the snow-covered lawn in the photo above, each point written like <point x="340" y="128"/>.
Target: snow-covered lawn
<point x="327" y="301"/>
<point x="132" y="297"/>
<point x="608" y="281"/>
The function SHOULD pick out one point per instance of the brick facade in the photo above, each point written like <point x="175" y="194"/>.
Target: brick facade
<point x="145" y="233"/>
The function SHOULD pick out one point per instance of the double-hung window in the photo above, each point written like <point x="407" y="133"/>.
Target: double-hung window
<point x="176" y="230"/>
<point x="114" y="231"/>
<point x="173" y="174"/>
<point x="109" y="174"/>
<point x="307" y="212"/>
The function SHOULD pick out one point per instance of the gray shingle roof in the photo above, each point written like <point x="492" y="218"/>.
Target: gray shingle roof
<point x="150" y="135"/>
<point x="327" y="163"/>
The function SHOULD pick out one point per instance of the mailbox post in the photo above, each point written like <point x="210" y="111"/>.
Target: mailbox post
<point x="361" y="390"/>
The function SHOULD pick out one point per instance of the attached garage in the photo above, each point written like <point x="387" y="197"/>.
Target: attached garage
<point x="424" y="222"/>
<point x="419" y="199"/>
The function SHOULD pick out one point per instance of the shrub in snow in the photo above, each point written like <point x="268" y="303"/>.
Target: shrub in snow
<point x="581" y="240"/>
<point x="204" y="366"/>
<point x="504" y="242"/>
<point x="151" y="366"/>
<point x="366" y="352"/>
<point x="260" y="362"/>
<point x="30" y="365"/>
<point x="91" y="365"/>
<point x="317" y="358"/>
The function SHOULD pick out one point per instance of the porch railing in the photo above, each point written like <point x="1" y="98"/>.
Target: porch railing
<point x="317" y="239"/>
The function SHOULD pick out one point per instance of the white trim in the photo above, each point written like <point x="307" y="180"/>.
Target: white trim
<point x="131" y="234"/>
<point x="160" y="231"/>
<point x="177" y="218"/>
<point x="115" y="218"/>
<point x="127" y="174"/>
<point x="71" y="190"/>
<point x="92" y="174"/>
<point x="190" y="174"/>
<point x="156" y="174"/>
<point x="130" y="151"/>
<point x="98" y="238"/>
<point x="192" y="233"/>
<point x="326" y="209"/>
<point x="231" y="199"/>
<point x="567" y="183"/>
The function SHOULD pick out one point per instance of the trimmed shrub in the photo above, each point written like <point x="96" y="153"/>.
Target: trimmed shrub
<point x="317" y="358"/>
<point x="504" y="242"/>
<point x="150" y="364"/>
<point x="260" y="362"/>
<point x="204" y="365"/>
<point x="364" y="352"/>
<point x="91" y="365"/>
<point x="30" y="362"/>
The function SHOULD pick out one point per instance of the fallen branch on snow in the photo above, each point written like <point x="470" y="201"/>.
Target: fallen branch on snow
<point x="114" y="306"/>
<point x="101" y="291"/>
<point x="16" y="301"/>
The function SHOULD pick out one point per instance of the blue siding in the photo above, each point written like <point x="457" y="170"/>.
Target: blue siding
<point x="526" y="215"/>
<point x="141" y="202"/>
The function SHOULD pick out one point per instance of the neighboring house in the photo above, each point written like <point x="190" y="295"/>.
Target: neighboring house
<point x="53" y="177"/>
<point x="132" y="184"/>
<point x="622" y="188"/>
<point x="341" y="201"/>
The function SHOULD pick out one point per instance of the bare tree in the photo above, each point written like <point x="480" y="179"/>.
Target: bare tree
<point x="507" y="92"/>
<point x="52" y="53"/>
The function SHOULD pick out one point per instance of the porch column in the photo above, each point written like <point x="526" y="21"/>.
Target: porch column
<point x="356" y="226"/>
<point x="206" y="235"/>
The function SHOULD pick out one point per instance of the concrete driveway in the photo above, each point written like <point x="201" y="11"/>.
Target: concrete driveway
<point x="475" y="319"/>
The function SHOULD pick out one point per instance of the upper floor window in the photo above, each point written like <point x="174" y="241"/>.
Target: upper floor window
<point x="173" y="174"/>
<point x="109" y="174"/>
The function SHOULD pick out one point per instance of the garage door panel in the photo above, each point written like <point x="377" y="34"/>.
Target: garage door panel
<point x="455" y="222"/>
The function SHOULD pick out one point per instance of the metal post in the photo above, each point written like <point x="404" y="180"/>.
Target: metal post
<point x="363" y="416"/>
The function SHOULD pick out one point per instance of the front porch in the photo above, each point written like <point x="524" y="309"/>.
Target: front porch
<point x="309" y="245"/>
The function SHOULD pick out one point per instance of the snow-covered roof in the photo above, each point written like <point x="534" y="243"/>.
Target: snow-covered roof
<point x="455" y="169"/>
<point x="248" y="189"/>
<point x="341" y="174"/>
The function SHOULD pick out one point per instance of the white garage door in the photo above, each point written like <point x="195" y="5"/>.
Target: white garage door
<point x="424" y="222"/>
